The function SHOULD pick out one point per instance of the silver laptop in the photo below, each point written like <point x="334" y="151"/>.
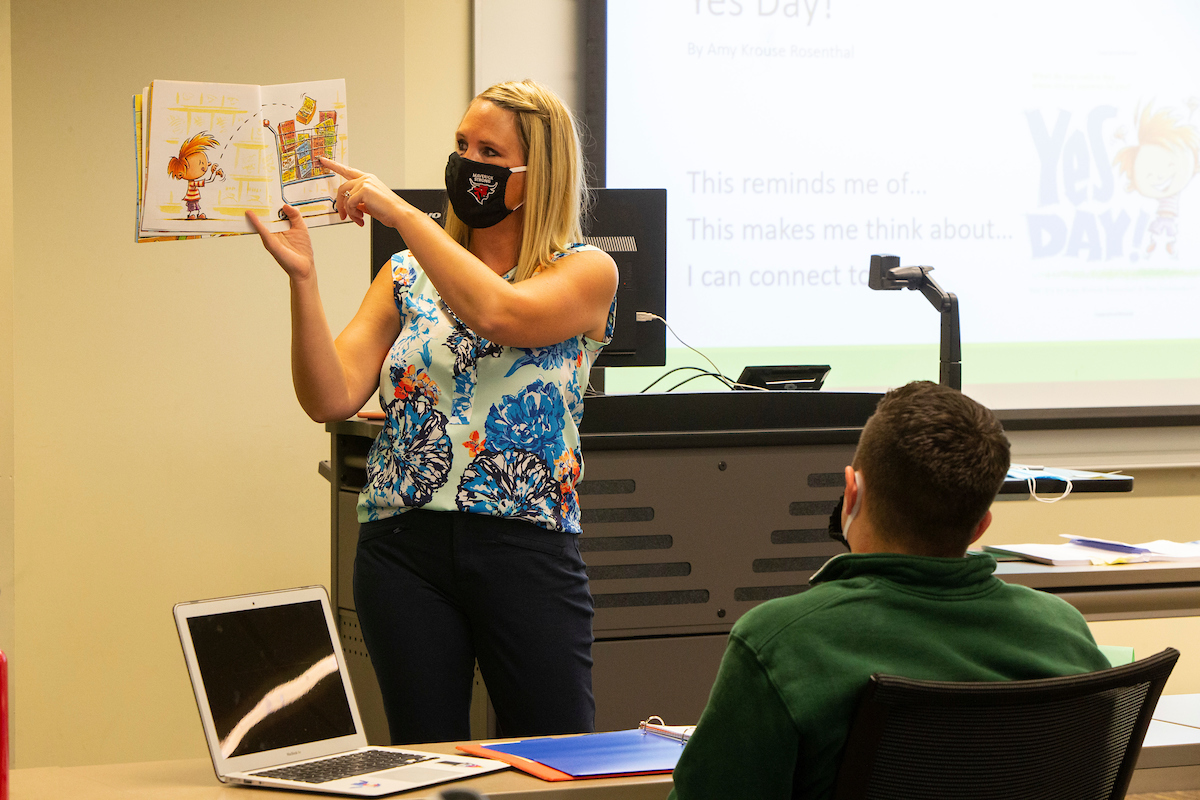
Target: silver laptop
<point x="277" y="706"/>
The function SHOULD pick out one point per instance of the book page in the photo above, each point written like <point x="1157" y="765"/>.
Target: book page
<point x="302" y="122"/>
<point x="208" y="158"/>
<point x="140" y="103"/>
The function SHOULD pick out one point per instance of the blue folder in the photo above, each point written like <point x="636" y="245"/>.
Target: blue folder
<point x="596" y="754"/>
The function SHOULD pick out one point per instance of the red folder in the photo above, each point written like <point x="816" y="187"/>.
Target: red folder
<point x="3" y="727"/>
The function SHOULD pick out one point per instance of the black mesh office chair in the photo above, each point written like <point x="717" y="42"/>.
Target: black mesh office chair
<point x="1054" y="739"/>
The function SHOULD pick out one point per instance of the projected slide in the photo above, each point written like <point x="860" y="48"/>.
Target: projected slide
<point x="1041" y="156"/>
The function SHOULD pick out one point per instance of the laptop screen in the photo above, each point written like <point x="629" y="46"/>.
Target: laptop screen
<point x="271" y="677"/>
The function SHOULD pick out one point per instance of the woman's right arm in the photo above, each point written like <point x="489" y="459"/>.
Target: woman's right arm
<point x="333" y="377"/>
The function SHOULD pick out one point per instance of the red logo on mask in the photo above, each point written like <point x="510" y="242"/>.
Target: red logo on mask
<point x="482" y="190"/>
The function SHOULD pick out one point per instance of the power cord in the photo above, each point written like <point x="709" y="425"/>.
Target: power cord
<point x="703" y="373"/>
<point x="721" y="378"/>
<point x="648" y="316"/>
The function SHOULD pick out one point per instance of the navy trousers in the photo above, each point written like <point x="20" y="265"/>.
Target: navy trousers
<point x="437" y="590"/>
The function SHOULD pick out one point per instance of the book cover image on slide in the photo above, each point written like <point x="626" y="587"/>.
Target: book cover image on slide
<point x="210" y="152"/>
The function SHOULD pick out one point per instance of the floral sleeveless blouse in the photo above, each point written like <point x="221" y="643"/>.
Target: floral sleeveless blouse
<point x="475" y="426"/>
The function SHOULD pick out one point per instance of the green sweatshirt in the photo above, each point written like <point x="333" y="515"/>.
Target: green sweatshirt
<point x="795" y="667"/>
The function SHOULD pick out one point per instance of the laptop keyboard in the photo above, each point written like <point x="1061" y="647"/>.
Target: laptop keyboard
<point x="331" y="769"/>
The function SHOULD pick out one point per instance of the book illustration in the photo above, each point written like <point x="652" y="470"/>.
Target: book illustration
<point x="208" y="153"/>
<point x="192" y="165"/>
<point x="139" y="129"/>
<point x="305" y="114"/>
<point x="1160" y="165"/>
<point x="298" y="151"/>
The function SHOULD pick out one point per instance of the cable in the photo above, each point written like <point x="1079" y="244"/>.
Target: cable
<point x="736" y="385"/>
<point x="668" y="372"/>
<point x="646" y="316"/>
<point x="716" y="375"/>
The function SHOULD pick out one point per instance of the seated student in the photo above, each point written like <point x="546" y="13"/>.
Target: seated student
<point x="906" y="600"/>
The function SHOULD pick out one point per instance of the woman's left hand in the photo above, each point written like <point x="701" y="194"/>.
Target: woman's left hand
<point x="363" y="193"/>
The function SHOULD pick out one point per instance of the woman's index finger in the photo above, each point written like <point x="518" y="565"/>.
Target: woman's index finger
<point x="341" y="169"/>
<point x="257" y="223"/>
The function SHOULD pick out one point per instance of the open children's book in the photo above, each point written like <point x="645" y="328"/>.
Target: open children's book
<point x="209" y="152"/>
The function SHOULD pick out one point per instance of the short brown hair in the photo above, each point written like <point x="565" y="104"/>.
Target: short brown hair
<point x="932" y="461"/>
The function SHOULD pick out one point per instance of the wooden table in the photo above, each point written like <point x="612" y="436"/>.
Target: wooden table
<point x="1169" y="762"/>
<point x="193" y="779"/>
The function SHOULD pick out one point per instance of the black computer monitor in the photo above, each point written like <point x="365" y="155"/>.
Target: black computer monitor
<point x="628" y="224"/>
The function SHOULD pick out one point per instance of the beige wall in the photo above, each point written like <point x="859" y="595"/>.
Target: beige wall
<point x="160" y="451"/>
<point x="6" y="340"/>
<point x="146" y="409"/>
<point x="437" y="84"/>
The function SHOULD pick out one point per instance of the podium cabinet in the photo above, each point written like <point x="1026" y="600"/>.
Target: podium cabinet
<point x="694" y="507"/>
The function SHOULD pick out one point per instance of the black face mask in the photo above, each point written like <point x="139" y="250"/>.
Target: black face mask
<point x="476" y="190"/>
<point x="835" y="523"/>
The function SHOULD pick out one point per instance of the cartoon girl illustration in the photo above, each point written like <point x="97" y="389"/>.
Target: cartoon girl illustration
<point x="192" y="165"/>
<point x="1160" y="166"/>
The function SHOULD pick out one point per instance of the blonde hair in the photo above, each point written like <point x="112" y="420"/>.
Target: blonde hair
<point x="201" y="141"/>
<point x="1162" y="129"/>
<point x="555" y="188"/>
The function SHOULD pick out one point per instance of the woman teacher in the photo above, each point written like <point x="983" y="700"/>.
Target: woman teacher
<point x="479" y="338"/>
